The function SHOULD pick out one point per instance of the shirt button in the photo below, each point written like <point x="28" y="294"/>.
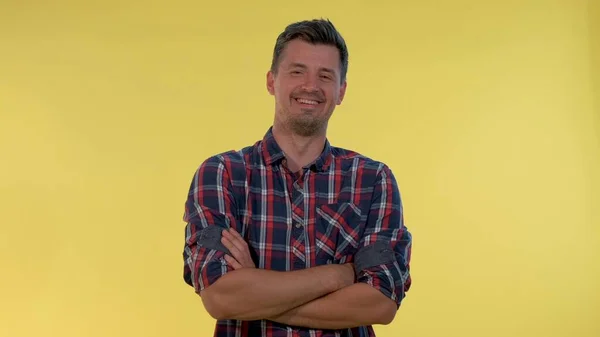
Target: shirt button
<point x="298" y="225"/>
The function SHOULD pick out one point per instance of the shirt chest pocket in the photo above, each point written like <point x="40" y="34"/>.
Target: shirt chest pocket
<point x="338" y="230"/>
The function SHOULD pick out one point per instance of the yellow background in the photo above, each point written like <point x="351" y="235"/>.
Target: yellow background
<point x="487" y="111"/>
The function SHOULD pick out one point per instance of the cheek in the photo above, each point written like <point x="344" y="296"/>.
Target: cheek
<point x="332" y="96"/>
<point x="284" y="92"/>
<point x="282" y="97"/>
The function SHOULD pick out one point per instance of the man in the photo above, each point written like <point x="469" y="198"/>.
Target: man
<point x="292" y="236"/>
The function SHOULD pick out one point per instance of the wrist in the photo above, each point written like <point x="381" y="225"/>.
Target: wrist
<point x="344" y="275"/>
<point x="330" y="277"/>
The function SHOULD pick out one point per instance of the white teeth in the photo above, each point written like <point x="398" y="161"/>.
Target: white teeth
<point x="307" y="101"/>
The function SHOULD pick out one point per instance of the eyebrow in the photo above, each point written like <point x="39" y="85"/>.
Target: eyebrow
<point x="303" y="66"/>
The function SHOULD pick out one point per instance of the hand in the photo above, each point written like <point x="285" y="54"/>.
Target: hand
<point x="238" y="247"/>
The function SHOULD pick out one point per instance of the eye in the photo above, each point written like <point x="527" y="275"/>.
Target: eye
<point x="295" y="72"/>
<point x="326" y="77"/>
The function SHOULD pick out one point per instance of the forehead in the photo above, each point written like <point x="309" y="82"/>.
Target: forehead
<point x="311" y="55"/>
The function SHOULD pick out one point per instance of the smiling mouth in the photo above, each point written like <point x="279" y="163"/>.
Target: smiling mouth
<point x="307" y="101"/>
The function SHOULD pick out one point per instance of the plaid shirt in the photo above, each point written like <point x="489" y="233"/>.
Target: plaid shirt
<point x="340" y="203"/>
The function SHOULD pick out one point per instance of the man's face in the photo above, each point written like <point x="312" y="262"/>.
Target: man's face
<point x="306" y="87"/>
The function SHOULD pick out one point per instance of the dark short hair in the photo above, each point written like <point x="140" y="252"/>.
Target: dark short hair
<point x="316" y="31"/>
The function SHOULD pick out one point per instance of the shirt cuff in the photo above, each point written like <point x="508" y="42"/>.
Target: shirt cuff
<point x="377" y="265"/>
<point x="209" y="263"/>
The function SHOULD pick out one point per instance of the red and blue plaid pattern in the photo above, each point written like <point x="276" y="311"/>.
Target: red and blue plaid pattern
<point x="324" y="214"/>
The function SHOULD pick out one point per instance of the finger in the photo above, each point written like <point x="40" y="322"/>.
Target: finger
<point x="229" y="234"/>
<point x="233" y="249"/>
<point x="233" y="232"/>
<point x="229" y="240"/>
<point x="236" y="240"/>
<point x="233" y="262"/>
<point x="247" y="261"/>
<point x="238" y="247"/>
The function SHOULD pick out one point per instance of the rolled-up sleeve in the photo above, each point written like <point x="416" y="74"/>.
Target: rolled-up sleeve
<point x="383" y="258"/>
<point x="209" y="208"/>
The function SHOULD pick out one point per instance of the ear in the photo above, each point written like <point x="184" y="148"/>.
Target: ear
<point x="271" y="82"/>
<point x="342" y="92"/>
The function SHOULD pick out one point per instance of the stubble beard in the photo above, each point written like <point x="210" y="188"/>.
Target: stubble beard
<point x="306" y="125"/>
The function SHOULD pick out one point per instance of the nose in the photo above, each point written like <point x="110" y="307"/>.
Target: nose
<point x="311" y="83"/>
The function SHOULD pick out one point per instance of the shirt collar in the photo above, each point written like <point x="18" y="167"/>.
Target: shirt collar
<point x="273" y="154"/>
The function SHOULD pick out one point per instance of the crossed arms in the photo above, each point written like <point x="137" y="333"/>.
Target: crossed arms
<point x="335" y="296"/>
<point x="323" y="297"/>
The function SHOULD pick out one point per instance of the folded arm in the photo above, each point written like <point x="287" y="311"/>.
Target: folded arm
<point x="382" y="267"/>
<point x="248" y="293"/>
<point x="252" y="294"/>
<point x="352" y="306"/>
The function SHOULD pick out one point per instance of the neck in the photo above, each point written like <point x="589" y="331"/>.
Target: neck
<point x="299" y="150"/>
